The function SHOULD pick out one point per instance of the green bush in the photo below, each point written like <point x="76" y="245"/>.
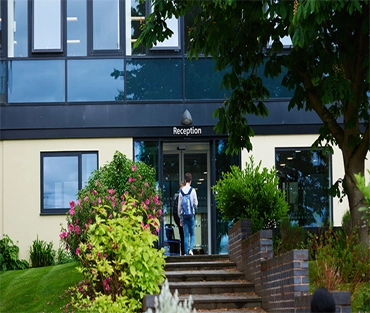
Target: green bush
<point x="251" y="193"/>
<point x="108" y="186"/>
<point x="338" y="260"/>
<point x="119" y="261"/>
<point x="42" y="253"/>
<point x="9" y="255"/>
<point x="290" y="237"/>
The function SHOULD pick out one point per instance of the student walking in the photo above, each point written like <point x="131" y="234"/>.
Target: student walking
<point x="177" y="219"/>
<point x="187" y="204"/>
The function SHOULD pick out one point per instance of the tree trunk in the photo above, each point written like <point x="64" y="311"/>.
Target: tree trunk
<point x="354" y="165"/>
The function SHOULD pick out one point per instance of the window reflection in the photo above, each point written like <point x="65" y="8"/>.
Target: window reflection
<point x="76" y="28"/>
<point x="17" y="28"/>
<point x="144" y="83"/>
<point x="147" y="152"/>
<point x="202" y="81"/>
<point x="135" y="16"/>
<point x="305" y="177"/>
<point x="36" y="81"/>
<point x="2" y="81"/>
<point x="106" y="25"/>
<point x="63" y="174"/>
<point x="47" y="28"/>
<point x="92" y="80"/>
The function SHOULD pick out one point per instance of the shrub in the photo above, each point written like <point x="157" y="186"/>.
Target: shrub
<point x="119" y="261"/>
<point x="9" y="255"/>
<point x="365" y="190"/>
<point x="42" y="253"/>
<point x="251" y="193"/>
<point x="290" y="237"/>
<point x="108" y="186"/>
<point x="168" y="303"/>
<point x="338" y="260"/>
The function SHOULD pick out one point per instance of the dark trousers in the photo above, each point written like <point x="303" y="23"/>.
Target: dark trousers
<point x="181" y="231"/>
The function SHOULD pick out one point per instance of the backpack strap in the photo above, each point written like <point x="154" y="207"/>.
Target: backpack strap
<point x="190" y="190"/>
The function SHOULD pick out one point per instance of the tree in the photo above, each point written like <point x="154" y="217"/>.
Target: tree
<point x="327" y="67"/>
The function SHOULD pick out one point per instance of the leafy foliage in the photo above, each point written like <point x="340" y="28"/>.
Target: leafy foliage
<point x="365" y="189"/>
<point x="9" y="255"/>
<point x="108" y="186"/>
<point x="168" y="303"/>
<point x="251" y="193"/>
<point x="338" y="260"/>
<point x="291" y="237"/>
<point x="119" y="260"/>
<point x="326" y="67"/>
<point x="42" y="253"/>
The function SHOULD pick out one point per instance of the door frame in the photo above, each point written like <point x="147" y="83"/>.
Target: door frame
<point x="202" y="147"/>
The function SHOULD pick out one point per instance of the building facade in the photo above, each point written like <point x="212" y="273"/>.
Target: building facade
<point x="74" y="89"/>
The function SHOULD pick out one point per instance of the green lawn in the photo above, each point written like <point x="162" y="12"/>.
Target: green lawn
<point x="37" y="289"/>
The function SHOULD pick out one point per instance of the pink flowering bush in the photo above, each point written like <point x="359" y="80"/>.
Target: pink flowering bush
<point x="109" y="186"/>
<point x="118" y="260"/>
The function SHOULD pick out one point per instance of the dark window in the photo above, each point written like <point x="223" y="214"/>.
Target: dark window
<point x="62" y="175"/>
<point x="1" y="27"/>
<point x="305" y="176"/>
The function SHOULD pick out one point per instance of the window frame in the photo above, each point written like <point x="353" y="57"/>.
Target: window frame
<point x="57" y="154"/>
<point x="90" y="32"/>
<point x="3" y="27"/>
<point x="36" y="52"/>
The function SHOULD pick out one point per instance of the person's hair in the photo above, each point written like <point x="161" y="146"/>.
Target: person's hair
<point x="322" y="301"/>
<point x="188" y="178"/>
<point x="182" y="184"/>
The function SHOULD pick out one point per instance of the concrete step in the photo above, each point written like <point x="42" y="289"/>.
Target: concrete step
<point x="198" y="258"/>
<point x="239" y="300"/>
<point x="204" y="275"/>
<point x="199" y="265"/>
<point x="210" y="287"/>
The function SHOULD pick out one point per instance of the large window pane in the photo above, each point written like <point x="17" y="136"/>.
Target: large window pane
<point x="305" y="177"/>
<point x="76" y="28"/>
<point x="36" y="81"/>
<point x="17" y="28"/>
<point x="158" y="79"/>
<point x="106" y="25"/>
<point x="62" y="175"/>
<point x="47" y="26"/>
<point x="147" y="152"/>
<point x="202" y="81"/>
<point x="95" y="80"/>
<point x="60" y="181"/>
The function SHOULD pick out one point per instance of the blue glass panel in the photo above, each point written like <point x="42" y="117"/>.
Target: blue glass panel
<point x="60" y="181"/>
<point x="202" y="81"/>
<point x="89" y="164"/>
<point x="2" y="82"/>
<point x="36" y="81"/>
<point x="154" y="79"/>
<point x="76" y="28"/>
<point x="18" y="34"/>
<point x="95" y="80"/>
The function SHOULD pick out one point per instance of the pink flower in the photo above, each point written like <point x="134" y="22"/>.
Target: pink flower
<point x="79" y="202"/>
<point x="130" y="180"/>
<point x="72" y="211"/>
<point x="86" y="199"/>
<point x="99" y="200"/>
<point x="63" y="235"/>
<point x="77" y="251"/>
<point x="111" y="191"/>
<point x="89" y="246"/>
<point x="72" y="204"/>
<point x="77" y="229"/>
<point x="147" y="201"/>
<point x="133" y="168"/>
<point x="146" y="184"/>
<point x="70" y="227"/>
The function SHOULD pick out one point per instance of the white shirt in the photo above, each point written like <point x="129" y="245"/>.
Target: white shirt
<point x="193" y="197"/>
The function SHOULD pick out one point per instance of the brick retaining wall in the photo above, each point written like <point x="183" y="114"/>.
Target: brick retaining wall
<point x="282" y="281"/>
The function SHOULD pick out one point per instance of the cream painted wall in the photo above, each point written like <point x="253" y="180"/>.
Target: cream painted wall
<point x="264" y="149"/>
<point x="20" y="172"/>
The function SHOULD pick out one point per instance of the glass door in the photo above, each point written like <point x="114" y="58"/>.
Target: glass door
<point x="179" y="159"/>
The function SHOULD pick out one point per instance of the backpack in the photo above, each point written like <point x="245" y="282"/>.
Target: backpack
<point x="186" y="205"/>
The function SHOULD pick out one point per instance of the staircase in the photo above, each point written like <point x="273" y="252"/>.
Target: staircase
<point x="213" y="282"/>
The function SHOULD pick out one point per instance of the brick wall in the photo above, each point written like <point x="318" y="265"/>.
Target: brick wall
<point x="282" y="281"/>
